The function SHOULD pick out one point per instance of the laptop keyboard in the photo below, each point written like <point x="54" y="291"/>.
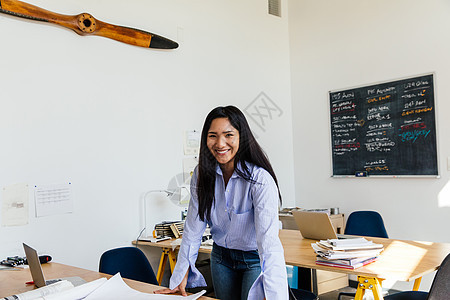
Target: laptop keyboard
<point x="47" y="282"/>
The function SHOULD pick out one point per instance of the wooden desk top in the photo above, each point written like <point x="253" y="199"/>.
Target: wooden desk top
<point x="167" y="244"/>
<point x="13" y="281"/>
<point x="400" y="260"/>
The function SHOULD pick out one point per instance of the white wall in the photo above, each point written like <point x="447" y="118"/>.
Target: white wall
<point x="341" y="44"/>
<point x="110" y="117"/>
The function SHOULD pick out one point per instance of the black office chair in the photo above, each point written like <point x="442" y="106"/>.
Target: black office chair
<point x="131" y="262"/>
<point x="440" y="288"/>
<point x="299" y="294"/>
<point x="367" y="223"/>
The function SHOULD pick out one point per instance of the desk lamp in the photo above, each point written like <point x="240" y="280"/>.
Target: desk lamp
<point x="180" y="196"/>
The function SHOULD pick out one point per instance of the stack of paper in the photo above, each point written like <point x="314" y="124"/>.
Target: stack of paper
<point x="349" y="253"/>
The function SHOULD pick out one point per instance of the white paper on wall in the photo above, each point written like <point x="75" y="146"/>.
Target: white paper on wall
<point x="15" y="205"/>
<point x="53" y="199"/>
<point x="191" y="142"/>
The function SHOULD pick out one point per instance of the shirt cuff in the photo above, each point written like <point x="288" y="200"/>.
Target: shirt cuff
<point x="273" y="286"/>
<point x="195" y="278"/>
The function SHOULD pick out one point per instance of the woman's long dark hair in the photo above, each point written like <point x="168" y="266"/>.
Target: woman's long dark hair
<point x="249" y="152"/>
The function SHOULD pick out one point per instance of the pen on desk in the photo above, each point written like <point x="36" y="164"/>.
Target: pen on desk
<point x="29" y="282"/>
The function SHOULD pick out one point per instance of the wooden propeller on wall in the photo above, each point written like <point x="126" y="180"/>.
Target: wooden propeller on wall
<point x="86" y="24"/>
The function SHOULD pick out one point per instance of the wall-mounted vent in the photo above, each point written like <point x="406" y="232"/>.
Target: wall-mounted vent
<point x="274" y="7"/>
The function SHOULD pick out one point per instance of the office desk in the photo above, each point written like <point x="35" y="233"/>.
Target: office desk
<point x="401" y="260"/>
<point x="13" y="282"/>
<point x="323" y="281"/>
<point x="167" y="254"/>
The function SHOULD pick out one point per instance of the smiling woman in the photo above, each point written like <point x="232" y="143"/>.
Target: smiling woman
<point x="223" y="142"/>
<point x="235" y="192"/>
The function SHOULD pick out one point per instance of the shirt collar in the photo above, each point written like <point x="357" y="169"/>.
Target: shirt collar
<point x="235" y="174"/>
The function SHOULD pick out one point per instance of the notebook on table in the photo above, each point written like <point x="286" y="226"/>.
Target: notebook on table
<point x="36" y="270"/>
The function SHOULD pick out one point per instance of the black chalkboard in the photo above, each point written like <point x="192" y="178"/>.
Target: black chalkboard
<point x="385" y="129"/>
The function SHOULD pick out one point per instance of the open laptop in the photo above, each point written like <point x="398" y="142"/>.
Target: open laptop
<point x="314" y="225"/>
<point x="36" y="270"/>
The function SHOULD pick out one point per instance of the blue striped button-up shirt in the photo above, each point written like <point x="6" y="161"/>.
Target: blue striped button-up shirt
<point x="244" y="216"/>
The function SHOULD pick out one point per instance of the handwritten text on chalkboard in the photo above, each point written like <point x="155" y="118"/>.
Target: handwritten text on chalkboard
<point x="385" y="129"/>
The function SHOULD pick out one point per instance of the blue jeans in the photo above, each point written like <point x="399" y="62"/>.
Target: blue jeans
<point x="233" y="272"/>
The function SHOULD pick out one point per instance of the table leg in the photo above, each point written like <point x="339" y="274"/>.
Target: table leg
<point x="315" y="288"/>
<point x="359" y="294"/>
<point x="162" y="266"/>
<point x="417" y="284"/>
<point x="368" y="283"/>
<point x="167" y="253"/>
<point x="172" y="260"/>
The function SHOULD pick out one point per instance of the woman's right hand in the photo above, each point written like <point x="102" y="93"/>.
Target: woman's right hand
<point x="180" y="288"/>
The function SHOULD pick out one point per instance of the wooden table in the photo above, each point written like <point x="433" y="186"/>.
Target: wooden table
<point x="401" y="260"/>
<point x="167" y="254"/>
<point x="319" y="281"/>
<point x="13" y="281"/>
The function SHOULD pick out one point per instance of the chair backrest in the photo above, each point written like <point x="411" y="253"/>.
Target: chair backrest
<point x="131" y="262"/>
<point x="299" y="294"/>
<point x="440" y="289"/>
<point x="368" y="223"/>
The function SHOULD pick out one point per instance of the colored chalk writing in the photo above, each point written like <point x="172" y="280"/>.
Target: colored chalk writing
<point x="385" y="129"/>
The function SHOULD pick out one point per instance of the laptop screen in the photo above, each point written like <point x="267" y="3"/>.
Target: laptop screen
<point x="35" y="265"/>
<point x="314" y="225"/>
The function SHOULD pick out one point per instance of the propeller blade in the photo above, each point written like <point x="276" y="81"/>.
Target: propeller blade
<point x="86" y="24"/>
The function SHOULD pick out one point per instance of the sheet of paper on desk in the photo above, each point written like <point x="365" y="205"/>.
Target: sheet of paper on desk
<point x="39" y="294"/>
<point x="116" y="288"/>
<point x="100" y="289"/>
<point x="79" y="292"/>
